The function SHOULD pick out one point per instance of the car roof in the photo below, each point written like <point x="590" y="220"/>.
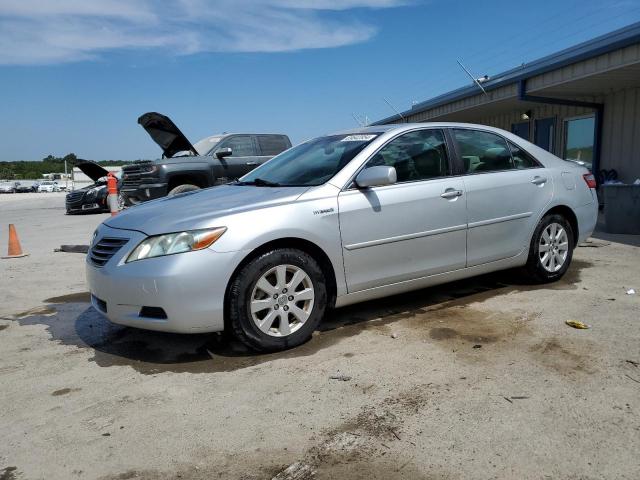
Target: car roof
<point x="399" y="127"/>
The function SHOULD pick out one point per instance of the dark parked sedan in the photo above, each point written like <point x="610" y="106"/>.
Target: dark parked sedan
<point x="92" y="198"/>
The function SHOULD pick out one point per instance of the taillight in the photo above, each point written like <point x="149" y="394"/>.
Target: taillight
<point x="590" y="179"/>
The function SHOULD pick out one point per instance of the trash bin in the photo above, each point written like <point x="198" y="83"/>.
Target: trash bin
<point x="622" y="209"/>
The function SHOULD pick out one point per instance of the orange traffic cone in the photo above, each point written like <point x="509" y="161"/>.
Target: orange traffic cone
<point x="15" y="250"/>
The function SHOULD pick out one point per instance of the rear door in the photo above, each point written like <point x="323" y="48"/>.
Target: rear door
<point x="271" y="145"/>
<point x="411" y="229"/>
<point x="243" y="159"/>
<point x="507" y="190"/>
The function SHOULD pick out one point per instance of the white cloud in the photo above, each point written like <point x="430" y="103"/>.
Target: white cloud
<point x="46" y="31"/>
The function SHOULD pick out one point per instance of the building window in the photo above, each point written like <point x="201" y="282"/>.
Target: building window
<point x="543" y="133"/>
<point x="579" y="136"/>
<point x="521" y="129"/>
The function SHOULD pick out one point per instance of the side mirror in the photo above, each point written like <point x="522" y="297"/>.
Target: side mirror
<point x="376" y="177"/>
<point x="224" y="152"/>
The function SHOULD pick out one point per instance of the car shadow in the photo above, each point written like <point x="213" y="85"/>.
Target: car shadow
<point x="70" y="321"/>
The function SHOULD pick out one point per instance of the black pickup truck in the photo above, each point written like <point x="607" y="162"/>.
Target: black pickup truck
<point x="184" y="166"/>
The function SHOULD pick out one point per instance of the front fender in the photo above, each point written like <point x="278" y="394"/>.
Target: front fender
<point x="315" y="221"/>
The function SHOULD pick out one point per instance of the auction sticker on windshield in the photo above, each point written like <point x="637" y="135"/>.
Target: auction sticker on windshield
<point x="358" y="138"/>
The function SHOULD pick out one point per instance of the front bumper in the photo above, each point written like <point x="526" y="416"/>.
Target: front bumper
<point x="144" y="192"/>
<point x="188" y="287"/>
<point x="78" y="205"/>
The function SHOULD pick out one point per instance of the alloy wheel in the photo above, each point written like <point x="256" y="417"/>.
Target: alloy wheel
<point x="553" y="247"/>
<point x="282" y="300"/>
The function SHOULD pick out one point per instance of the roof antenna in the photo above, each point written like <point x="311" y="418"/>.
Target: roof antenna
<point x="394" y="109"/>
<point x="358" y="121"/>
<point x="475" y="80"/>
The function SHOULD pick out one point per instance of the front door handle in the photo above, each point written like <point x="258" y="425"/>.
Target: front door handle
<point x="539" y="180"/>
<point x="450" y="193"/>
<point x="251" y="162"/>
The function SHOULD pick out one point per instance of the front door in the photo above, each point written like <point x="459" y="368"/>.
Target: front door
<point x="243" y="159"/>
<point x="411" y="229"/>
<point x="507" y="190"/>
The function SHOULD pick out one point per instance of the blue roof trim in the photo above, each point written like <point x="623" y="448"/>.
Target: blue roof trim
<point x="591" y="48"/>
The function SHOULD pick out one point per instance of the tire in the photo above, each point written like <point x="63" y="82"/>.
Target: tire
<point x="543" y="267"/>
<point x="187" y="187"/>
<point x="302" y="309"/>
<point x="122" y="201"/>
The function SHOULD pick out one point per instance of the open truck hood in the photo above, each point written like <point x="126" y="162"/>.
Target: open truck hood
<point x="91" y="169"/>
<point x="165" y="133"/>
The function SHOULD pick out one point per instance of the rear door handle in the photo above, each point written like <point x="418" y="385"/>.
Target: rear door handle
<point x="539" y="180"/>
<point x="251" y="162"/>
<point x="450" y="193"/>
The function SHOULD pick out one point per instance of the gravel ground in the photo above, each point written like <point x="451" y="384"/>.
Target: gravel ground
<point x="475" y="379"/>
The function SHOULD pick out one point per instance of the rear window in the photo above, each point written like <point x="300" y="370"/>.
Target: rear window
<point x="272" y="144"/>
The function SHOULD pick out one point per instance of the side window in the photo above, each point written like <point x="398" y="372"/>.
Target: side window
<point x="483" y="151"/>
<point x="241" y="145"/>
<point x="522" y="159"/>
<point x="272" y="144"/>
<point x="418" y="155"/>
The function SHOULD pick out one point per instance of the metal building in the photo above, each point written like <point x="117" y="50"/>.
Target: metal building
<point x="582" y="103"/>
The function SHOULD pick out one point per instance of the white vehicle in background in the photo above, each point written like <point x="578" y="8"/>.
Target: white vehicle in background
<point x="48" y="187"/>
<point x="7" y="187"/>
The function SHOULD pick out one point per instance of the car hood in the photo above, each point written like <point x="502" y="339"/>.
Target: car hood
<point x="165" y="133"/>
<point x="200" y="208"/>
<point x="92" y="170"/>
<point x="89" y="187"/>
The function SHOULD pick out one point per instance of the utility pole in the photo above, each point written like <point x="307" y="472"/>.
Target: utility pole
<point x="66" y="177"/>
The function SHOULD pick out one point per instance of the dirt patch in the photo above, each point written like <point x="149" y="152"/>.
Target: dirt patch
<point x="2" y="327"/>
<point x="562" y="359"/>
<point x="462" y="324"/>
<point x="36" y="311"/>
<point x="64" y="391"/>
<point x="384" y="467"/>
<point x="8" y="473"/>
<point x="364" y="447"/>
<point x="79" y="297"/>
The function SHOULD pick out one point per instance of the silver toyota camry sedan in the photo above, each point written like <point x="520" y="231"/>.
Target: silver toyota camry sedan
<point x="341" y="219"/>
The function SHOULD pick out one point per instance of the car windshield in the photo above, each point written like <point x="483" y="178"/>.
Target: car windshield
<point x="204" y="146"/>
<point x="309" y="164"/>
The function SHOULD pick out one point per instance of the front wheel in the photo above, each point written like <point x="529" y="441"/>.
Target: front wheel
<point x="551" y="249"/>
<point x="277" y="300"/>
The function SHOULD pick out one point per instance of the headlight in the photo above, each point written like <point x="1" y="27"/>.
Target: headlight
<point x="171" y="243"/>
<point x="92" y="192"/>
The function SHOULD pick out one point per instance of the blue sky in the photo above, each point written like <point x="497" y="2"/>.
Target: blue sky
<point x="76" y="74"/>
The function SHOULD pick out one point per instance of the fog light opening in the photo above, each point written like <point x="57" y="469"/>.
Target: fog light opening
<point x="153" y="312"/>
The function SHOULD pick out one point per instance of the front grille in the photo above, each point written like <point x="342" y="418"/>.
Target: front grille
<point x="74" y="197"/>
<point x="106" y="248"/>
<point x="131" y="174"/>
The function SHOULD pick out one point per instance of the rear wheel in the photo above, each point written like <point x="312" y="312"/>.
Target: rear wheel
<point x="187" y="187"/>
<point x="277" y="300"/>
<point x="551" y="249"/>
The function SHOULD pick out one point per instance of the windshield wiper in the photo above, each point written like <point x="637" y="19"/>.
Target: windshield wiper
<point x="259" y="182"/>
